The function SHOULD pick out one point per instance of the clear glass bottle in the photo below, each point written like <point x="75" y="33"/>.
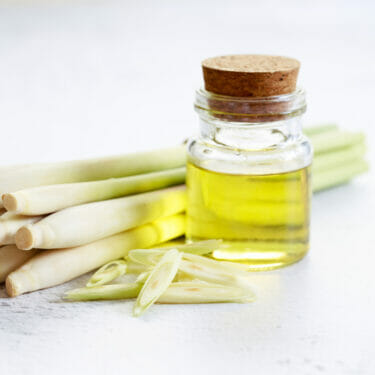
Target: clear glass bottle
<point x="248" y="178"/>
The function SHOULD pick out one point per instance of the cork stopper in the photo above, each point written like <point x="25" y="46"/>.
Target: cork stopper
<point x="250" y="75"/>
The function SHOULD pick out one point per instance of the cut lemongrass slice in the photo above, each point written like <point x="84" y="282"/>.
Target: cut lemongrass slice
<point x="136" y="268"/>
<point x="107" y="273"/>
<point x="146" y="257"/>
<point x="201" y="292"/>
<point x="198" y="248"/>
<point x="158" y="281"/>
<point x="202" y="268"/>
<point x="142" y="277"/>
<point x="104" y="292"/>
<point x="149" y="257"/>
<point x="236" y="269"/>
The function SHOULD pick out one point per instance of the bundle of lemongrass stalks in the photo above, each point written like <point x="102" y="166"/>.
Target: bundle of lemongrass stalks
<point x="66" y="219"/>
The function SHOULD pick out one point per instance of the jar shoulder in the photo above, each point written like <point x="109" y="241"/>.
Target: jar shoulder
<point x="292" y="155"/>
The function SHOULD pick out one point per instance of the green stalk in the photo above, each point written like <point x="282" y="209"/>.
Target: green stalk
<point x="331" y="160"/>
<point x="334" y="140"/>
<point x="24" y="176"/>
<point x="338" y="175"/>
<point x="52" y="198"/>
<point x="317" y="129"/>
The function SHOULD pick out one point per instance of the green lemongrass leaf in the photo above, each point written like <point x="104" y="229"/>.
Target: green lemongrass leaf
<point x="201" y="292"/>
<point x="107" y="273"/>
<point x="104" y="292"/>
<point x="158" y="281"/>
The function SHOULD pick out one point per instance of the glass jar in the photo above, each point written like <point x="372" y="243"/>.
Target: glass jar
<point x="248" y="178"/>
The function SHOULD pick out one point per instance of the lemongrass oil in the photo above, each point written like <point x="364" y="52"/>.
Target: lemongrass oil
<point x="248" y="172"/>
<point x="263" y="219"/>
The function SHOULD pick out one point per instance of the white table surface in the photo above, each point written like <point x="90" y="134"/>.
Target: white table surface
<point x="81" y="78"/>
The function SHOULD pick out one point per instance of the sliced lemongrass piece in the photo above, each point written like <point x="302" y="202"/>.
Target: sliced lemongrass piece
<point x="158" y="281"/>
<point x="142" y="277"/>
<point x="198" y="248"/>
<point x="146" y="257"/>
<point x="150" y="257"/>
<point x="107" y="273"/>
<point x="202" y="268"/>
<point x="201" y="292"/>
<point x="234" y="268"/>
<point x="136" y="268"/>
<point x="104" y="292"/>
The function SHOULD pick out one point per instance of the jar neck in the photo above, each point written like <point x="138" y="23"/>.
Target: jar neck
<point x="250" y="123"/>
<point x="251" y="136"/>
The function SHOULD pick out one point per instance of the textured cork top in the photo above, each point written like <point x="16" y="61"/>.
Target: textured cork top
<point x="250" y="75"/>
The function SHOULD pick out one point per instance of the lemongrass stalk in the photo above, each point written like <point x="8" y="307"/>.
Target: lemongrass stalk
<point x="310" y="131"/>
<point x="334" y="140"/>
<point x="338" y="175"/>
<point x="158" y="281"/>
<point x="54" y="267"/>
<point x="177" y="293"/>
<point x="51" y="198"/>
<point x="25" y="176"/>
<point x="11" y="258"/>
<point x="107" y="273"/>
<point x="90" y="222"/>
<point x="330" y="160"/>
<point x="10" y="223"/>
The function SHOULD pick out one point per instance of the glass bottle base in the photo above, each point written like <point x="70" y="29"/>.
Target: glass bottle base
<point x="260" y="256"/>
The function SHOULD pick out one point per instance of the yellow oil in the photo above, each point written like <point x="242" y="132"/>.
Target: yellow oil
<point x="262" y="219"/>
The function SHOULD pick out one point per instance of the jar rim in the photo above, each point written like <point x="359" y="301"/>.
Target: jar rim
<point x="250" y="109"/>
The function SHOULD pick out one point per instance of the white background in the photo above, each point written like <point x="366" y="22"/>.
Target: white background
<point x="88" y="78"/>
